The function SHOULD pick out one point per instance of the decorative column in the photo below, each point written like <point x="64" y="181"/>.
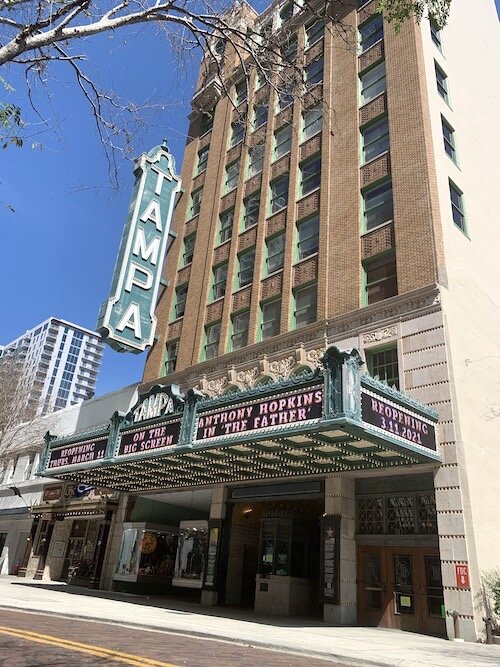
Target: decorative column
<point x="340" y="502"/>
<point x="210" y="592"/>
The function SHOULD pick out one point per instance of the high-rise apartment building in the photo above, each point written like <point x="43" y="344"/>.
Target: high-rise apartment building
<point x="56" y="362"/>
<point x="354" y="208"/>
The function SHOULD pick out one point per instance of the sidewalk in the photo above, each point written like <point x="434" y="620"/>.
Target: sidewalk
<point x="310" y="637"/>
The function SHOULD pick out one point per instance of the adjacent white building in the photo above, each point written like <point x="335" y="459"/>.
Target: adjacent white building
<point x="58" y="362"/>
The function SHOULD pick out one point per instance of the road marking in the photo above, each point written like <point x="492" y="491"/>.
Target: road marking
<point x="97" y="651"/>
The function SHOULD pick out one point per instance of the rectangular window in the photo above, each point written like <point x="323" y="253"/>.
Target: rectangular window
<point x="255" y="160"/>
<point x="212" y="337"/>
<point x="189" y="242"/>
<point x="375" y="139"/>
<point x="377" y="205"/>
<point x="279" y="194"/>
<point x="381" y="279"/>
<point x="285" y="95"/>
<point x="314" y="31"/>
<point x="289" y="50"/>
<point x="308" y="236"/>
<point x="226" y="225"/>
<point x="239" y="335"/>
<point x="373" y="83"/>
<point x="207" y="121"/>
<point x="310" y="174"/>
<point x="260" y="114"/>
<point x="251" y="206"/>
<point x="449" y="139"/>
<point x="237" y="132"/>
<point x="384" y="365"/>
<point x="282" y="141"/>
<point x="171" y="351"/>
<point x="195" y="203"/>
<point x="241" y="92"/>
<point x="271" y="317"/>
<point x="312" y="122"/>
<point x="286" y="12"/>
<point x="314" y="72"/>
<point x="180" y="299"/>
<point x="219" y="281"/>
<point x="442" y="83"/>
<point x="435" y="33"/>
<point x="275" y="253"/>
<point x="202" y="159"/>
<point x="232" y="176"/>
<point x="371" y="32"/>
<point x="246" y="262"/>
<point x="305" y="306"/>
<point x="457" y="206"/>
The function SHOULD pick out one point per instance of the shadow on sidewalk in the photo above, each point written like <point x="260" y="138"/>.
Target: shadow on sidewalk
<point x="177" y="605"/>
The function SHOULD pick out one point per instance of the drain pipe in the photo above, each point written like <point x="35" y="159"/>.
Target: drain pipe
<point x="488" y="622"/>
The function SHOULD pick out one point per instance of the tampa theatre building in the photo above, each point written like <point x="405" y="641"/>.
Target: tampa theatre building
<point x="312" y="435"/>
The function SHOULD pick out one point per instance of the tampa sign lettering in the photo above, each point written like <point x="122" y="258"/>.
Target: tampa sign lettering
<point x="127" y="321"/>
<point x="274" y="411"/>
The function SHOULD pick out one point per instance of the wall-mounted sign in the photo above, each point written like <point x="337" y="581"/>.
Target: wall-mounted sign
<point x="462" y="576"/>
<point x="126" y="320"/>
<point x="160" y="436"/>
<point x="397" y="420"/>
<point x="83" y="452"/>
<point x="330" y="558"/>
<point x="275" y="410"/>
<point x="159" y="401"/>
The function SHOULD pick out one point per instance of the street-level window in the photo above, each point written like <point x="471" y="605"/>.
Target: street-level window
<point x="372" y="83"/>
<point x="275" y="253"/>
<point x="282" y="141"/>
<point x="246" y="263"/>
<point x="314" y="32"/>
<point x="202" y="159"/>
<point x="383" y="363"/>
<point x="212" y="338"/>
<point x="375" y="139"/>
<point x="310" y="174"/>
<point x="308" y="236"/>
<point x="251" y="206"/>
<point x="442" y="83"/>
<point x="312" y="122"/>
<point x="195" y="203"/>
<point x="189" y="242"/>
<point x="306" y="304"/>
<point x="279" y="194"/>
<point x="239" y="335"/>
<point x="232" y="176"/>
<point x="381" y="279"/>
<point x="180" y="299"/>
<point x="226" y="225"/>
<point x="449" y="139"/>
<point x="377" y="205"/>
<point x="219" y="281"/>
<point x="371" y="32"/>
<point x="457" y="206"/>
<point x="271" y="317"/>
<point x="255" y="160"/>
<point x="171" y="352"/>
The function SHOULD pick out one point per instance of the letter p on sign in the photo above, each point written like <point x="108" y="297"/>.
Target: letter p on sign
<point x="462" y="576"/>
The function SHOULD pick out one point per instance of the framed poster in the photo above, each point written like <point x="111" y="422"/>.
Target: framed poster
<point x="58" y="548"/>
<point x="330" y="559"/>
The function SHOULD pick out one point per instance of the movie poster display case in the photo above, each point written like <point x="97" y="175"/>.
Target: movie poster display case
<point x="147" y="553"/>
<point x="191" y="554"/>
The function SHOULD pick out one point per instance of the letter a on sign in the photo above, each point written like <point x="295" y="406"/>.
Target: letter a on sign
<point x="127" y="320"/>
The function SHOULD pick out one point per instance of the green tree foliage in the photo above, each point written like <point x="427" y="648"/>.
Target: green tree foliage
<point x="399" y="11"/>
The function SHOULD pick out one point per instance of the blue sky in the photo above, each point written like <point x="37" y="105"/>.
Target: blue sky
<point x="61" y="240"/>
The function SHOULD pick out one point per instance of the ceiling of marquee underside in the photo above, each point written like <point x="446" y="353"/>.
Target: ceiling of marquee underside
<point x="293" y="456"/>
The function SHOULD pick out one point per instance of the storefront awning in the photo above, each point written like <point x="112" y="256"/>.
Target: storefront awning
<point x="329" y="422"/>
